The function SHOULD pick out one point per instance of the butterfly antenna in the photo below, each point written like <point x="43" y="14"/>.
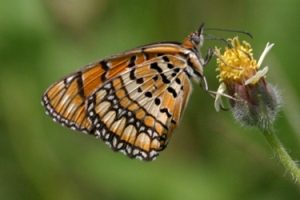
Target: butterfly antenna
<point x="213" y="37"/>
<point x="231" y="30"/>
<point x="201" y="29"/>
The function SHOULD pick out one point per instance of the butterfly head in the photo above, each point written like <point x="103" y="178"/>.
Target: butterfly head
<point x="195" y="39"/>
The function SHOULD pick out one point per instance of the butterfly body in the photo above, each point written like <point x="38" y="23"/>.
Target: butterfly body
<point x="132" y="101"/>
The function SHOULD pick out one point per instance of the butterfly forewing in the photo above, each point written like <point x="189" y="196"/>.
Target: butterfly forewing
<point x="132" y="101"/>
<point x="65" y="100"/>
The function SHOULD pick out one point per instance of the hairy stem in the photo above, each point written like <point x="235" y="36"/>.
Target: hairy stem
<point x="280" y="152"/>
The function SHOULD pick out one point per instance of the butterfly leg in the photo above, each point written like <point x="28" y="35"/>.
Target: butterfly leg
<point x="208" y="56"/>
<point x="204" y="84"/>
<point x="216" y="94"/>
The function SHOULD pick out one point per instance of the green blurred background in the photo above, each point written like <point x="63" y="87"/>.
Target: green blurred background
<point x="210" y="156"/>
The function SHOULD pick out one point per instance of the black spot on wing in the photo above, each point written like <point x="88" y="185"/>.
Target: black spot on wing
<point x="178" y="81"/>
<point x="140" y="80"/>
<point x="80" y="84"/>
<point x="165" y="79"/>
<point x="173" y="121"/>
<point x="148" y="94"/>
<point x="157" y="101"/>
<point x="166" y="59"/>
<point x="176" y="70"/>
<point x="104" y="65"/>
<point x="172" y="91"/>
<point x="132" y="61"/>
<point x="165" y="110"/>
<point x="156" y="67"/>
<point x="170" y="66"/>
<point x="105" y="68"/>
<point x="132" y="74"/>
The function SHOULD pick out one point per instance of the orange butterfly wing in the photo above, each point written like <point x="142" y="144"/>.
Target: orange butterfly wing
<point x="133" y="101"/>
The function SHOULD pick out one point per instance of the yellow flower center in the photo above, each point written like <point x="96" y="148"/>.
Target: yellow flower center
<point x="236" y="63"/>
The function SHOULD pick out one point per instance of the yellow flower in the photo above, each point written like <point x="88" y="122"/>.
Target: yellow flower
<point x="236" y="63"/>
<point x="254" y="101"/>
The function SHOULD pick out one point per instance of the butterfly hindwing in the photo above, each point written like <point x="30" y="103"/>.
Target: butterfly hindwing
<point x="133" y="112"/>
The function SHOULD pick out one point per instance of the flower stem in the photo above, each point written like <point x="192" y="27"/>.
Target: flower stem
<point x="288" y="163"/>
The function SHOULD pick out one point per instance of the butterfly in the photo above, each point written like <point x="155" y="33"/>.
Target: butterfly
<point x="134" y="100"/>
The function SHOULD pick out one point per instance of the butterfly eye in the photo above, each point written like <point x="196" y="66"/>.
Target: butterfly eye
<point x="195" y="38"/>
